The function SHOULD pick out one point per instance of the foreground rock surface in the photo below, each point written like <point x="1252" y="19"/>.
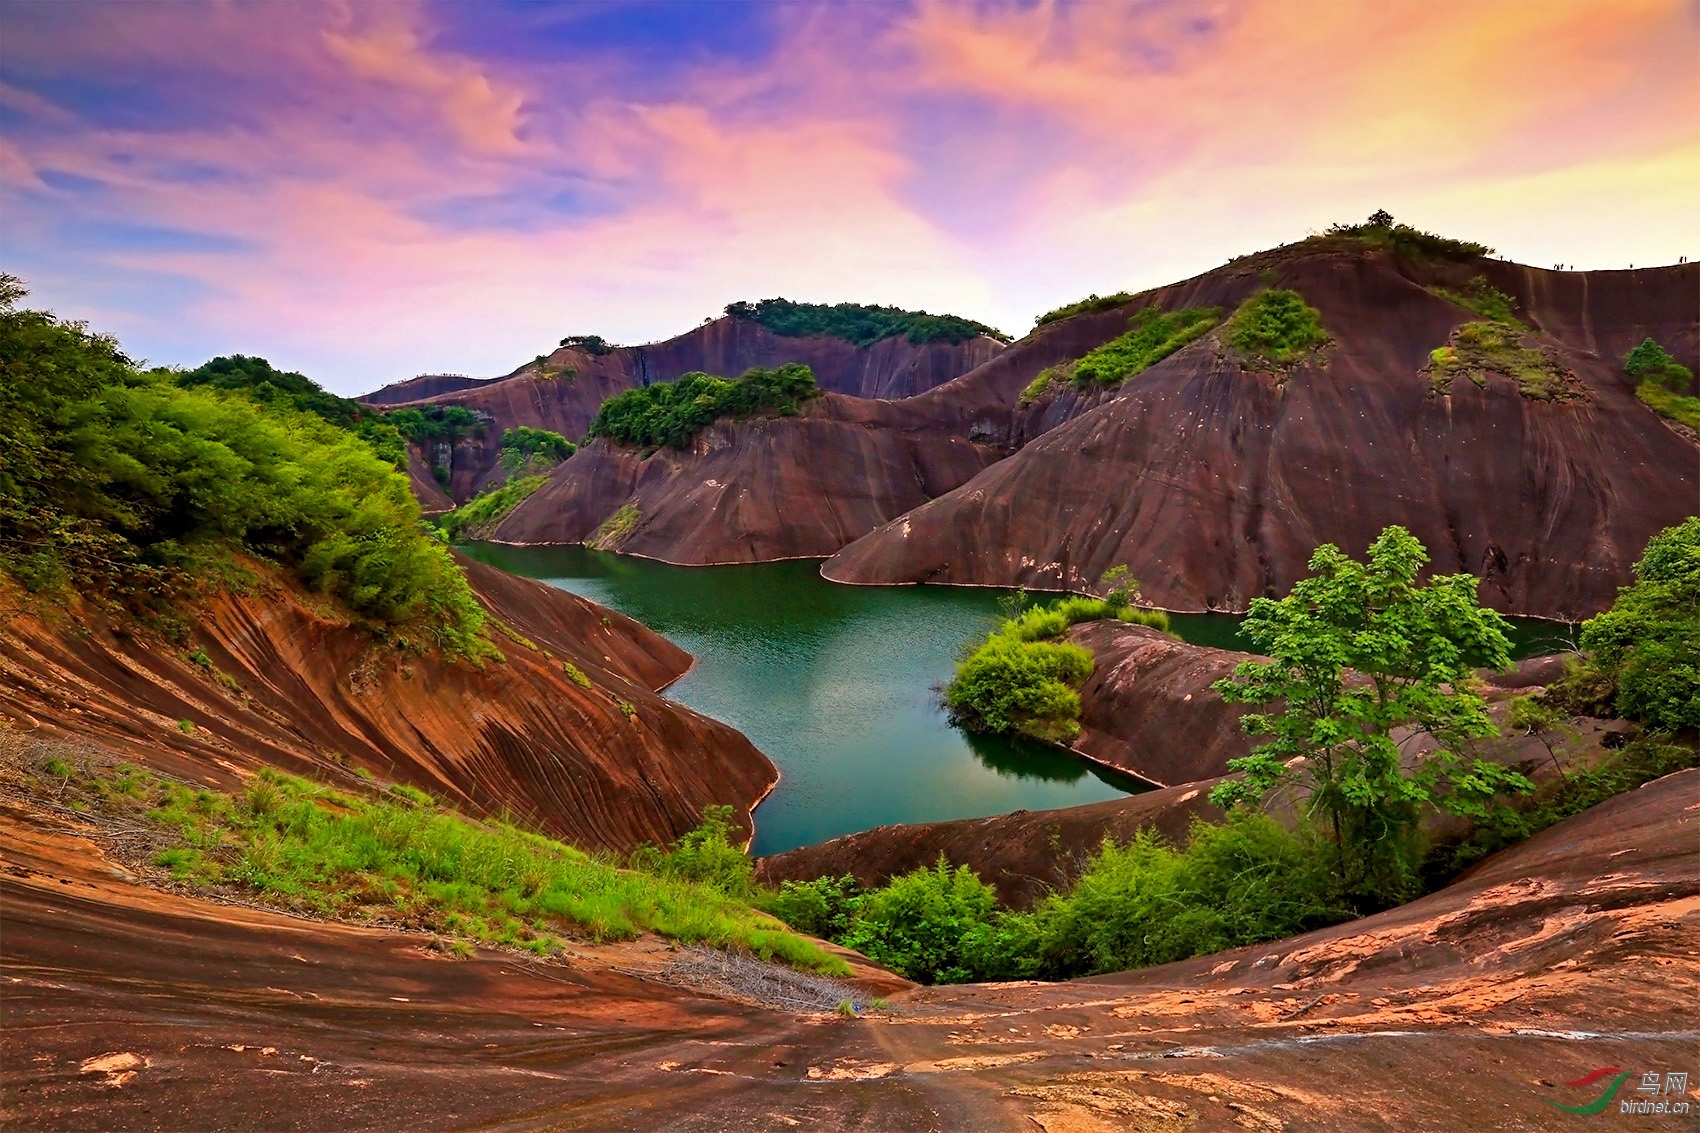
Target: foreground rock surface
<point x="1466" y="1010"/>
<point x="287" y="683"/>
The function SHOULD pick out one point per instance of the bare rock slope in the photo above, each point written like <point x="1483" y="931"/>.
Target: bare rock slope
<point x="272" y="678"/>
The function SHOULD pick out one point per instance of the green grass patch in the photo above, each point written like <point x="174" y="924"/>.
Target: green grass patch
<point x="616" y="527"/>
<point x="1678" y="407"/>
<point x="1152" y="336"/>
<point x="671" y="413"/>
<point x="1478" y="349"/>
<point x="575" y="674"/>
<point x="1275" y="326"/>
<point x="859" y="324"/>
<point x="1088" y="305"/>
<point x="480" y="515"/>
<point x="400" y="859"/>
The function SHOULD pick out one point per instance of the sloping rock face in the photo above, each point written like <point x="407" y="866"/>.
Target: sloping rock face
<point x="1148" y="708"/>
<point x="1213" y="480"/>
<point x="1468" y="1009"/>
<point x="291" y="685"/>
<point x="751" y="491"/>
<point x="565" y="397"/>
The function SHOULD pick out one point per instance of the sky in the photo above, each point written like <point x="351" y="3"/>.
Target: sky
<point x="364" y="192"/>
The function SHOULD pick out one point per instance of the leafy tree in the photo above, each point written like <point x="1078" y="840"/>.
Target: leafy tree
<point x="257" y="378"/>
<point x="425" y="423"/>
<point x="524" y="447"/>
<point x="1381" y="218"/>
<point x="1648" y="643"/>
<point x="671" y="413"/>
<point x="588" y="343"/>
<point x="1364" y="661"/>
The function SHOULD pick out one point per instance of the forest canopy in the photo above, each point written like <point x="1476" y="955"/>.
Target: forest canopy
<point x="859" y="324"/>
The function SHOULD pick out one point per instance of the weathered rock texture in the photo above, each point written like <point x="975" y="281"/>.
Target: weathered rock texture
<point x="1213" y="480"/>
<point x="1464" y="1010"/>
<point x="752" y="491"/>
<point x="289" y="684"/>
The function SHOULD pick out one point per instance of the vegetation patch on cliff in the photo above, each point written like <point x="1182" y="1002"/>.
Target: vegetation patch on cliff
<point x="478" y="516"/>
<point x="859" y="324"/>
<point x="397" y="858"/>
<point x="1152" y="336"/>
<point x="1479" y="349"/>
<point x="1483" y="298"/>
<point x="616" y="527"/>
<point x="136" y="490"/>
<point x="524" y="449"/>
<point x="1090" y="304"/>
<point x="1021" y="679"/>
<point x="1275" y="327"/>
<point x="1413" y="244"/>
<point x="672" y="413"/>
<point x="1661" y="383"/>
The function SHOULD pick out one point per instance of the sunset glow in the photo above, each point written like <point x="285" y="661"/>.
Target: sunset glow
<point x="365" y="192"/>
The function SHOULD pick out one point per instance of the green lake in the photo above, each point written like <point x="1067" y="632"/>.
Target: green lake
<point x="837" y="685"/>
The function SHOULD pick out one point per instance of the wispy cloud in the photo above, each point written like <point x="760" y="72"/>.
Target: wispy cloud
<point x="367" y="191"/>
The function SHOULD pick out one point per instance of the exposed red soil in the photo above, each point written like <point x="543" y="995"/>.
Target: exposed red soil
<point x="290" y="684"/>
<point x="1213" y="481"/>
<point x="127" y="1008"/>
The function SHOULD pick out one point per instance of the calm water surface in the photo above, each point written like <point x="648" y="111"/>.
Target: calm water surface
<point x="835" y="684"/>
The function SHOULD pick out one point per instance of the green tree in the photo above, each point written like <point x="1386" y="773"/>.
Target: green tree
<point x="1363" y="663"/>
<point x="1650" y="362"/>
<point x="1648" y="643"/>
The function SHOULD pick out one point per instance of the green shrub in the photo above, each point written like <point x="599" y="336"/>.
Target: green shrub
<point x="1275" y="326"/>
<point x="589" y="343"/>
<point x="1650" y="362"/>
<point x="1648" y="644"/>
<point x="823" y="907"/>
<point x="705" y="855"/>
<point x="575" y="674"/>
<point x="1152" y="336"/>
<point x="484" y="511"/>
<point x="427" y="423"/>
<point x="523" y="447"/>
<point x="139" y="489"/>
<point x="919" y="923"/>
<point x="1406" y="242"/>
<point x="671" y="413"/>
<point x="1010" y="685"/>
<point x="1090" y="304"/>
<point x="859" y="324"/>
<point x="1145" y="902"/>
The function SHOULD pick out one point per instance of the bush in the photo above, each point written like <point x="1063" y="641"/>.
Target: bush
<point x="427" y="423"/>
<point x="823" y="907"/>
<point x="138" y="489"/>
<point x="919" y="923"/>
<point x="1649" y="362"/>
<point x="1152" y="336"/>
<point x="1090" y="304"/>
<point x="705" y="855"/>
<point x="671" y="413"/>
<point x="1275" y="326"/>
<point x="589" y="343"/>
<point x="1648" y="644"/>
<point x="484" y="511"/>
<point x="1406" y="242"/>
<point x="859" y="324"/>
<point x="525" y="448"/>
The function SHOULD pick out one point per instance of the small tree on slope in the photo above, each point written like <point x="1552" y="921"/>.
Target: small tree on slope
<point x="1364" y="662"/>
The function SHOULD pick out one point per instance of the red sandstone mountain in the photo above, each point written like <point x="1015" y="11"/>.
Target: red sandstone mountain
<point x="565" y="394"/>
